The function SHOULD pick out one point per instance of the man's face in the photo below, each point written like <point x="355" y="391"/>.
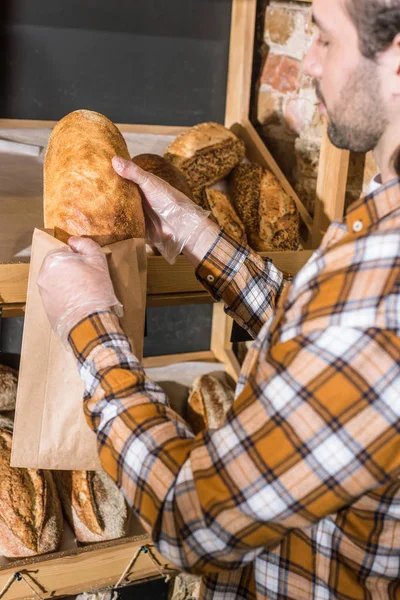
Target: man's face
<point x="348" y="84"/>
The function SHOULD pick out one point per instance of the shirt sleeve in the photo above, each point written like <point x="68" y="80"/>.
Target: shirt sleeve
<point x="248" y="284"/>
<point x="313" y="428"/>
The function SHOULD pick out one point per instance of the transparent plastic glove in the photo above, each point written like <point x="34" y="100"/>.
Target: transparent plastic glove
<point x="174" y="223"/>
<point x="75" y="282"/>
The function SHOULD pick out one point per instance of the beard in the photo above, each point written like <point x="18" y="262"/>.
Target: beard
<point x="357" y="121"/>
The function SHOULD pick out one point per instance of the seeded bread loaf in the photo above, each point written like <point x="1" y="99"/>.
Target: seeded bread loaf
<point x="83" y="195"/>
<point x="205" y="153"/>
<point x="164" y="169"/>
<point x="93" y="505"/>
<point x="225" y="215"/>
<point x="269" y="215"/>
<point x="8" y="387"/>
<point x="210" y="398"/>
<point x="30" y="511"/>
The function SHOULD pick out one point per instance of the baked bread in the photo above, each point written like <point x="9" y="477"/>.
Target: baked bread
<point x="210" y="398"/>
<point x="269" y="215"/>
<point x="93" y="505"/>
<point x="8" y="387"/>
<point x="225" y="215"/>
<point x="30" y="511"/>
<point x="205" y="153"/>
<point x="163" y="168"/>
<point x="83" y="195"/>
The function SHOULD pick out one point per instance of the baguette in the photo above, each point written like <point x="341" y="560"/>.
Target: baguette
<point x="206" y="153"/>
<point x="30" y="511"/>
<point x="83" y="195"/>
<point x="269" y="215"/>
<point x="93" y="505"/>
<point x="8" y="387"/>
<point x="210" y="398"/>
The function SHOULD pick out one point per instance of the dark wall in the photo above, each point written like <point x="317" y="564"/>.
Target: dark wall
<point x="147" y="61"/>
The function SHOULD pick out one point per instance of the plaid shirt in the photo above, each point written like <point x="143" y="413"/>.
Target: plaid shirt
<point x="298" y="494"/>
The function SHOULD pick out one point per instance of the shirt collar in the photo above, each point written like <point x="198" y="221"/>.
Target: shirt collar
<point x="370" y="209"/>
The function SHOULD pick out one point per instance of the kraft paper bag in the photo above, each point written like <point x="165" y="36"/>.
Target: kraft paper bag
<point x="50" y="430"/>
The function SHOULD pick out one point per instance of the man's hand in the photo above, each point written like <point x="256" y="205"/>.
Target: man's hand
<point x="75" y="282"/>
<point x="174" y="223"/>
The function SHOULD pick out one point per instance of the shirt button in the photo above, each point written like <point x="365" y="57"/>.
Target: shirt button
<point x="210" y="278"/>
<point x="357" y="226"/>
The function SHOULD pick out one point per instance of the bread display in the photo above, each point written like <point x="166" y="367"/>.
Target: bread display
<point x="83" y="195"/>
<point x="30" y="511"/>
<point x="210" y="398"/>
<point x="8" y="387"/>
<point x="93" y="505"/>
<point x="269" y="215"/>
<point x="225" y="215"/>
<point x="163" y="168"/>
<point x="205" y="153"/>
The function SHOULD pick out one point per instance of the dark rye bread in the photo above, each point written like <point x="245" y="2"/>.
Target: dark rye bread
<point x="83" y="195"/>
<point x="205" y="153"/>
<point x="163" y="168"/>
<point x="30" y="512"/>
<point x="269" y="215"/>
<point x="8" y="387"/>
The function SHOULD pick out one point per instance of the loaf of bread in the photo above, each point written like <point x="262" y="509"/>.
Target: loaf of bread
<point x="30" y="511"/>
<point x="225" y="215"/>
<point x="206" y="153"/>
<point x="210" y="398"/>
<point x="93" y="505"/>
<point x="83" y="195"/>
<point x="269" y="215"/>
<point x="163" y="168"/>
<point x="8" y="387"/>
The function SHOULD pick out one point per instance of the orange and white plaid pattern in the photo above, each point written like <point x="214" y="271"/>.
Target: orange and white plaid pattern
<point x="297" y="496"/>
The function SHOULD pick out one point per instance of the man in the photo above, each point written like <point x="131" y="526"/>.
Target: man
<point x="298" y="494"/>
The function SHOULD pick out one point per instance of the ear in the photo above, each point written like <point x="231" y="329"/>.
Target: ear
<point x="391" y="63"/>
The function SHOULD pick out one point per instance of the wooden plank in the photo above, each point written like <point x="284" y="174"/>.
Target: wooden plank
<point x="84" y="569"/>
<point x="163" y="278"/>
<point x="13" y="283"/>
<point x="220" y="340"/>
<point x="240" y="61"/>
<point x="178" y="299"/>
<point x="12" y="310"/>
<point x="256" y="151"/>
<point x="124" y="127"/>
<point x="290" y="262"/>
<point x="331" y="187"/>
<point x="171" y="359"/>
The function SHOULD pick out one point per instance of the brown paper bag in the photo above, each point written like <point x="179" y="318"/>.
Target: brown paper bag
<point x="50" y="430"/>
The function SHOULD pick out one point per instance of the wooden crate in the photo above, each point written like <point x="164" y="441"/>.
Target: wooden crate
<point x="92" y="567"/>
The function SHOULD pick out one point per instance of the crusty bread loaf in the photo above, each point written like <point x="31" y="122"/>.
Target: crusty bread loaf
<point x="206" y="153"/>
<point x="83" y="195"/>
<point x="225" y="215"/>
<point x="93" y="505"/>
<point x="269" y="215"/>
<point x="8" y="387"/>
<point x="210" y="398"/>
<point x="163" y="168"/>
<point x="30" y="511"/>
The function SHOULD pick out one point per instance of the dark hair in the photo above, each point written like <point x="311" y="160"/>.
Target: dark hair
<point x="377" y="23"/>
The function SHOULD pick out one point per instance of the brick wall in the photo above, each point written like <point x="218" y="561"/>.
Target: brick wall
<point x="284" y="106"/>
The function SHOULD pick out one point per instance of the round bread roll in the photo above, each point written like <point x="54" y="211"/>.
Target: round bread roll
<point x="8" y="387"/>
<point x="83" y="195"/>
<point x="206" y="153"/>
<point x="30" y="512"/>
<point x="163" y="168"/>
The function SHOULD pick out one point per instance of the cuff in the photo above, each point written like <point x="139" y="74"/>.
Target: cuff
<point x="98" y="329"/>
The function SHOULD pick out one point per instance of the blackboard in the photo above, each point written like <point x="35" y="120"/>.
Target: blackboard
<point x="160" y="62"/>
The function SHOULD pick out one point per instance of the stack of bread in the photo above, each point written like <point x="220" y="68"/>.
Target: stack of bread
<point x="254" y="210"/>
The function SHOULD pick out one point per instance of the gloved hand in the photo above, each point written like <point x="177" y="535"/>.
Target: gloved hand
<point x="75" y="282"/>
<point x="174" y="223"/>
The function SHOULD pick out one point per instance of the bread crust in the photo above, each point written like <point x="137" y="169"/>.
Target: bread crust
<point x="163" y="168"/>
<point x="83" y="195"/>
<point x="30" y="511"/>
<point x="210" y="398"/>
<point x="225" y="215"/>
<point x="8" y="387"/>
